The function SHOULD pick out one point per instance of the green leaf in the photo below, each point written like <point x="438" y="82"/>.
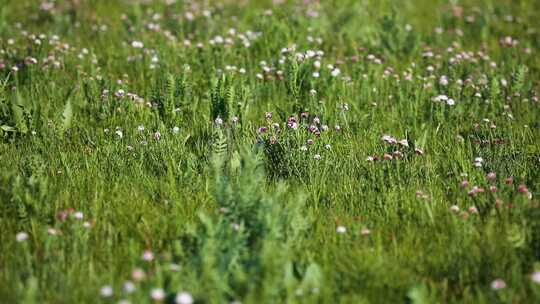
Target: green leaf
<point x="6" y="128"/>
<point x="419" y="294"/>
<point x="18" y="114"/>
<point x="67" y="115"/>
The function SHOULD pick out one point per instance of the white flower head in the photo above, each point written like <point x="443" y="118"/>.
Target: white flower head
<point x="157" y="294"/>
<point x="183" y="298"/>
<point x="21" y="236"/>
<point x="106" y="291"/>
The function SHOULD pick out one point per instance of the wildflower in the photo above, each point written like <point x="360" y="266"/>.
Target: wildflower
<point x="310" y="142"/>
<point x="498" y="284"/>
<point x="335" y="72"/>
<point x="106" y="291"/>
<point x="419" y="151"/>
<point x="268" y="115"/>
<point x="262" y="130"/>
<point x="327" y="147"/>
<point x="291" y="123"/>
<point x="174" y="267"/>
<point x="397" y="154"/>
<point x="535" y="277"/>
<point x="120" y="93"/>
<point x="78" y="215"/>
<point x="522" y="189"/>
<point x="138" y="274"/>
<point x="454" y="208"/>
<point x="148" y="256"/>
<point x="218" y="121"/>
<point x="341" y="229"/>
<point x="387" y="156"/>
<point x="157" y="294"/>
<point x="464" y="183"/>
<point x="491" y="175"/>
<point x="440" y="98"/>
<point x="235" y="119"/>
<point x="176" y="130"/>
<point x="157" y="135"/>
<point x="303" y="148"/>
<point x="478" y="162"/>
<point x="317" y="157"/>
<point x="137" y="44"/>
<point x="87" y="225"/>
<point x="119" y="133"/>
<point x="443" y="80"/>
<point x="129" y="287"/>
<point x="52" y="231"/>
<point x="403" y="143"/>
<point x="236" y="226"/>
<point x="365" y="231"/>
<point x="313" y="129"/>
<point x="21" y="236"/>
<point x="183" y="298"/>
<point x="473" y="210"/>
<point x="389" y="139"/>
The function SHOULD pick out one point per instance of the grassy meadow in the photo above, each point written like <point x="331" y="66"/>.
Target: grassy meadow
<point x="332" y="151"/>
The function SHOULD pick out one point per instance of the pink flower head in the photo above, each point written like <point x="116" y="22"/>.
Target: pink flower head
<point x="262" y="130"/>
<point x="397" y="154"/>
<point x="148" y="255"/>
<point x="523" y="189"/>
<point x="498" y="284"/>
<point x="138" y="274"/>
<point x="292" y="123"/>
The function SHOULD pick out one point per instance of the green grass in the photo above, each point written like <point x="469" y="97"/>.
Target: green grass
<point x="192" y="143"/>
